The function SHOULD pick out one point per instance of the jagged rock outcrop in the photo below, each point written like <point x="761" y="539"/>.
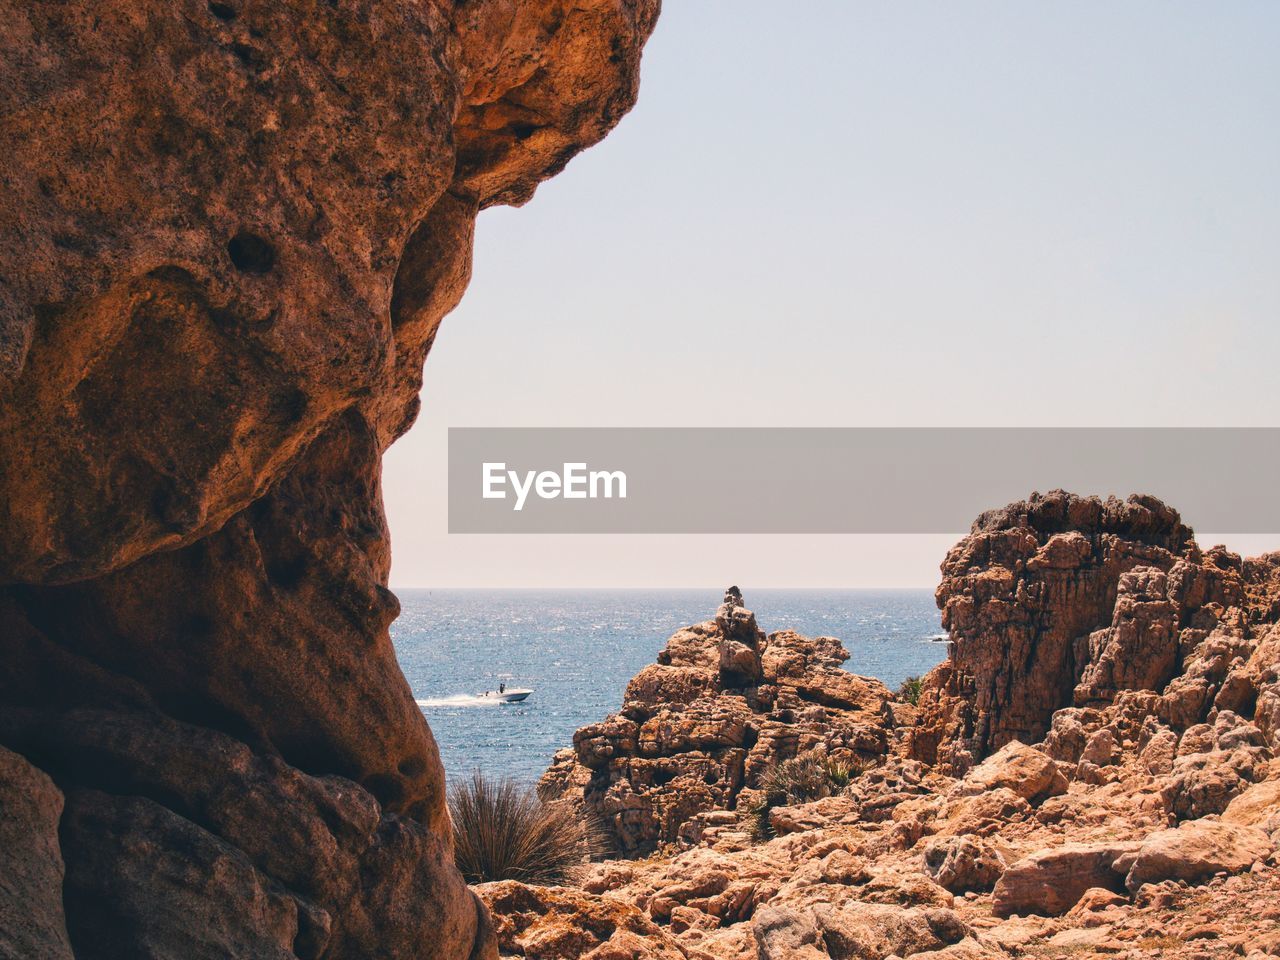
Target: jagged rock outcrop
<point x="229" y="233"/>
<point x="1113" y="789"/>
<point x="721" y="707"/>
<point x="1066" y="601"/>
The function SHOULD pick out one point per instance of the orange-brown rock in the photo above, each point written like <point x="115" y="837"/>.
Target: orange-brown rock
<point x="963" y="863"/>
<point x="1063" y="601"/>
<point x="1027" y="772"/>
<point x="228" y="234"/>
<point x="1128" y="806"/>
<point x="722" y="706"/>
<point x="558" y="923"/>
<point x="1194" y="851"/>
<point x="1052" y="880"/>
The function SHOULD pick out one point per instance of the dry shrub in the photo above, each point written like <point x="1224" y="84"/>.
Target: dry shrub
<point x="503" y="831"/>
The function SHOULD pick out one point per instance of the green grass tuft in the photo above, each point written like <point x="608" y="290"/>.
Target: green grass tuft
<point x="810" y="776"/>
<point x="910" y="690"/>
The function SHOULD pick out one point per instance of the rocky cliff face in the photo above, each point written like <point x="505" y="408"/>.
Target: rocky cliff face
<point x="228" y="234"/>
<point x="1093" y="773"/>
<point x="1063" y="600"/>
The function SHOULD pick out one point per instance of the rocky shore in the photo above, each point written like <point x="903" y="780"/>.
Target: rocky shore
<point x="1091" y="773"/>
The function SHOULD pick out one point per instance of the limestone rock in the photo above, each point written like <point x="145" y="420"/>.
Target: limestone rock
<point x="558" y="923"/>
<point x="963" y="863"/>
<point x="1196" y="850"/>
<point x="700" y="728"/>
<point x="230" y="232"/>
<point x="1050" y="882"/>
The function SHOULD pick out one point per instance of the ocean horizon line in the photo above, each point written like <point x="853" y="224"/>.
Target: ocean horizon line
<point x="694" y="589"/>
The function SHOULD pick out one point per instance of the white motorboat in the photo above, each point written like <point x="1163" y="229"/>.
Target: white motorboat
<point x="507" y="695"/>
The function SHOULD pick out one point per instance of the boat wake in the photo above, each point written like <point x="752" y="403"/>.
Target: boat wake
<point x="456" y="700"/>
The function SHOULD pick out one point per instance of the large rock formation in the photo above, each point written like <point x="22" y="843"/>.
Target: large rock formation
<point x="228" y="234"/>
<point x="1063" y="601"/>
<point x="1093" y="773"/>
<point x="697" y="730"/>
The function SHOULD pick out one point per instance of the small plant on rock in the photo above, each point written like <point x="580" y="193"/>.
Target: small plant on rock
<point x="839" y="774"/>
<point x="503" y="831"/>
<point x="810" y="776"/>
<point x="910" y="690"/>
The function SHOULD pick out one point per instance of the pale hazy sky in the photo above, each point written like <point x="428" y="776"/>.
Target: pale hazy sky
<point x="874" y="214"/>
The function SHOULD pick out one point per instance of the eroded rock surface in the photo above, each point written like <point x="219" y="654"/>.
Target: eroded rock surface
<point x="1093" y="774"/>
<point x="722" y="706"/>
<point x="228" y="234"/>
<point x="32" y="920"/>
<point x="1062" y="601"/>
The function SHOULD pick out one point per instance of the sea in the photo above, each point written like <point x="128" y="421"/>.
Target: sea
<point x="577" y="649"/>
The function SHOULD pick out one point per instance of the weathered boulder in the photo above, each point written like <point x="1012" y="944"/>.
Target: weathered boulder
<point x="1029" y="773"/>
<point x="230" y="232"/>
<point x="853" y="930"/>
<point x="787" y="934"/>
<point x="1051" y="881"/>
<point x="962" y="863"/>
<point x="814" y="815"/>
<point x="1160" y="751"/>
<point x="986" y="813"/>
<point x="1196" y="850"/>
<point x="1203" y="783"/>
<point x="1258" y="806"/>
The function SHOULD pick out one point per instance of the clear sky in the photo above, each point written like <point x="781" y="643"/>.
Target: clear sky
<point x="874" y="214"/>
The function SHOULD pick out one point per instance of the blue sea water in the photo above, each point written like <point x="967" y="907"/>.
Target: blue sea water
<point x="578" y="648"/>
